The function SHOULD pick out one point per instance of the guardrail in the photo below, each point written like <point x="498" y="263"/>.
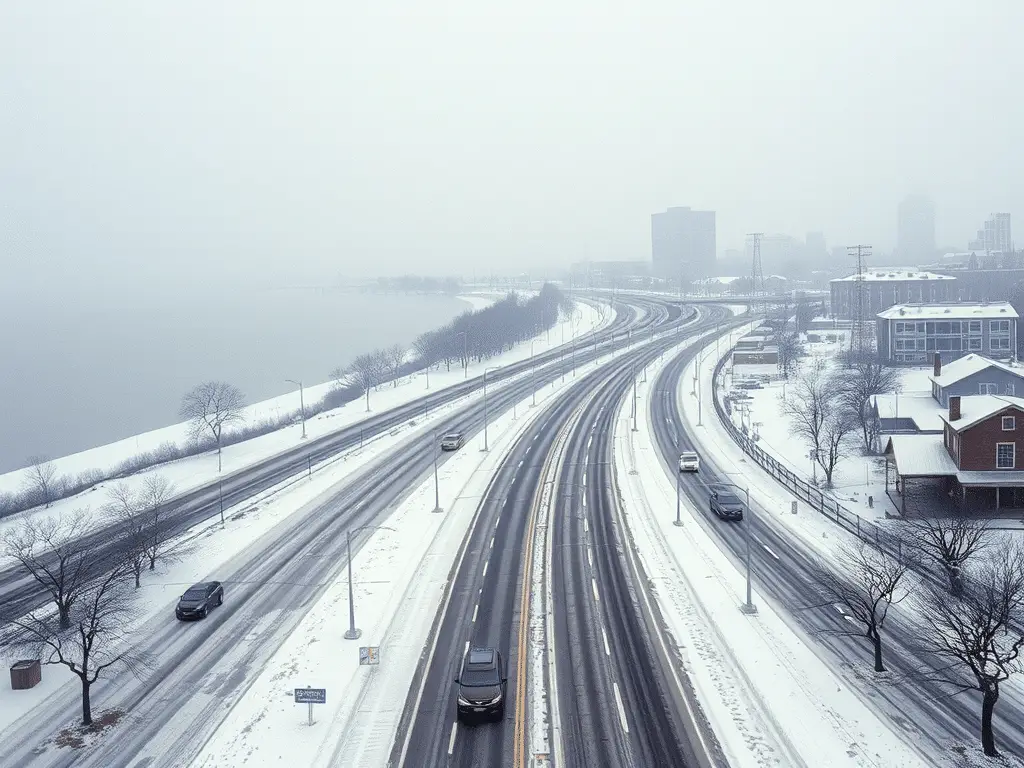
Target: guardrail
<point x="866" y="530"/>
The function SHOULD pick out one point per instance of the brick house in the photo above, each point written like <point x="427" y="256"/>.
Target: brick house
<point x="977" y="461"/>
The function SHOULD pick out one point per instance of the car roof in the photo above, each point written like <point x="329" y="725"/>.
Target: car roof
<point x="453" y="434"/>
<point x="688" y="453"/>
<point x="481" y="657"/>
<point x="203" y="585"/>
<point x="728" y="495"/>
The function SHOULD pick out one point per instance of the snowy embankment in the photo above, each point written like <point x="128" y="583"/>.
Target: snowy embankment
<point x="769" y="697"/>
<point x="192" y="472"/>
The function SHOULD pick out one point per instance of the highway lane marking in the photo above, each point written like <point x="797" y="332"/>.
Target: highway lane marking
<point x="492" y="543"/>
<point x="593" y="585"/>
<point x="590" y="556"/>
<point x="520" y="465"/>
<point x="451" y="740"/>
<point x="604" y="636"/>
<point x="584" y="479"/>
<point x="586" y="527"/>
<point x="584" y="501"/>
<point x="769" y="551"/>
<point x="486" y="563"/>
<point x="622" y="709"/>
<point x="475" y="609"/>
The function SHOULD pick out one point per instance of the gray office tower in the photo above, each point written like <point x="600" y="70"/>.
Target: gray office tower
<point x="683" y="243"/>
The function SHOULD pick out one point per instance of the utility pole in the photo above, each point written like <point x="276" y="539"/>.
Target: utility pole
<point x="758" y="303"/>
<point x="302" y="405"/>
<point x="437" y="487"/>
<point x="351" y="633"/>
<point x="749" y="607"/>
<point x="634" y="396"/>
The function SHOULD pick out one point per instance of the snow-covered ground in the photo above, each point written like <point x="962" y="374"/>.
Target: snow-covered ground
<point x="192" y="472"/>
<point x="771" y="700"/>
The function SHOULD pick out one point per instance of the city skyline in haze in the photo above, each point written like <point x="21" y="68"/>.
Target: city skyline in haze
<point x="281" y="144"/>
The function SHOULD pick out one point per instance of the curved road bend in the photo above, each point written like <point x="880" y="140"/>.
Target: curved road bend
<point x="19" y="595"/>
<point x="784" y="568"/>
<point x="487" y="592"/>
<point x="200" y="668"/>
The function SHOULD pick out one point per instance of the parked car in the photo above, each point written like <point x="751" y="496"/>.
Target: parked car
<point x="689" y="461"/>
<point x="452" y="441"/>
<point x="726" y="505"/>
<point x="481" y="685"/>
<point x="199" y="599"/>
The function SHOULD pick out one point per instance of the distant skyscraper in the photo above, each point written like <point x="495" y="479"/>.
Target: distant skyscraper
<point x="916" y="237"/>
<point x="683" y="243"/>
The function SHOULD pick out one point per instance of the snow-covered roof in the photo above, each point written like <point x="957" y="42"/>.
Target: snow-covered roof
<point x="920" y="407"/>
<point x="920" y="456"/>
<point x="889" y="274"/>
<point x="991" y="477"/>
<point x="951" y="311"/>
<point x="976" y="408"/>
<point x="968" y="365"/>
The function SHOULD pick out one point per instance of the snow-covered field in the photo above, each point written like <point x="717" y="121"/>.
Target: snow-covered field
<point x="188" y="473"/>
<point x="771" y="700"/>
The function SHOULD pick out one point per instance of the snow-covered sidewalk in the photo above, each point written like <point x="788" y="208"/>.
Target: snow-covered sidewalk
<point x="769" y="697"/>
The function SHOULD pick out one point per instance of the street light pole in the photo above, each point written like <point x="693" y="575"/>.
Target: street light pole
<point x="302" y="404"/>
<point x="493" y="367"/>
<point x="437" y="486"/>
<point x="679" y="492"/>
<point x="634" y="396"/>
<point x="351" y="633"/>
<point x="749" y="607"/>
<point x="533" y="378"/>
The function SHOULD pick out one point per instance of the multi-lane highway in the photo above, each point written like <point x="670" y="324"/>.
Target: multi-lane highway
<point x="198" y="670"/>
<point x="18" y="594"/>
<point x="785" y="574"/>
<point x="617" y="703"/>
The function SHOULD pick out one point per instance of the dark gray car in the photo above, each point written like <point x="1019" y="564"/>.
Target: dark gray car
<point x="199" y="600"/>
<point x="481" y="685"/>
<point x="726" y="505"/>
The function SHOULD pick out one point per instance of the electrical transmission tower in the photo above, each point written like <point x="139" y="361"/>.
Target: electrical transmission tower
<point x="758" y="292"/>
<point x="861" y="338"/>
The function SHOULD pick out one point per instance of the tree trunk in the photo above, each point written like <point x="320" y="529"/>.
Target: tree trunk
<point x="86" y="703"/>
<point x="988" y="705"/>
<point x="367" y="399"/>
<point x="219" y="460"/>
<point x="876" y="638"/>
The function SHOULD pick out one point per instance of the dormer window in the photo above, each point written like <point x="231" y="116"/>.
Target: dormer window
<point x="1009" y="423"/>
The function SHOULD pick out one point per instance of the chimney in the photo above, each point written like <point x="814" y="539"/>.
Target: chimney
<point x="937" y="365"/>
<point x="954" y="407"/>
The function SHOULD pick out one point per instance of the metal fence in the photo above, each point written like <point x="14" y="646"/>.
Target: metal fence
<point x="865" y="530"/>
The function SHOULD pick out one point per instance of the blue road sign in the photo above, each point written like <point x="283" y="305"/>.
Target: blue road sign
<point x="310" y="695"/>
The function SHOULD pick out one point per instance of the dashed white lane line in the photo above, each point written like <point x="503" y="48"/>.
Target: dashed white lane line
<point x="492" y="543"/>
<point x="584" y="479"/>
<point x="475" y="609"/>
<point x="593" y="585"/>
<point x="586" y="528"/>
<point x="584" y="501"/>
<point x="451" y="740"/>
<point x="590" y="556"/>
<point x="618" y="703"/>
<point x="520" y="466"/>
<point x="769" y="551"/>
<point x="466" y="650"/>
<point x="607" y="649"/>
<point x="485" y="568"/>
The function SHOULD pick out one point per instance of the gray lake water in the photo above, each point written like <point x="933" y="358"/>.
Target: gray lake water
<point x="82" y="371"/>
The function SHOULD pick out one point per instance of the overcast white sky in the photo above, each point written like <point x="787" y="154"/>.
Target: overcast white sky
<point x="147" y="140"/>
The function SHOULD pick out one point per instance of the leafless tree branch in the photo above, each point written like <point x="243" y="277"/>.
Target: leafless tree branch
<point x="209" y="407"/>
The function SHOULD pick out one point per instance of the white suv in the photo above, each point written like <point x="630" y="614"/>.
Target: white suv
<point x="689" y="461"/>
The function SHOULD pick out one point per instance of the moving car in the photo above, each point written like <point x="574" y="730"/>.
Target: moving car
<point x="452" y="441"/>
<point x="726" y="505"/>
<point x="689" y="461"/>
<point x="199" y="599"/>
<point x="481" y="685"/>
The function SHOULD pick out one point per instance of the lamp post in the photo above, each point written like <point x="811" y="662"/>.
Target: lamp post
<point x="302" y="404"/>
<point x="489" y="368"/>
<point x="533" y="379"/>
<point x="633" y="369"/>
<point x="747" y="607"/>
<point x="437" y="487"/>
<point x="465" y="353"/>
<point x="352" y="633"/>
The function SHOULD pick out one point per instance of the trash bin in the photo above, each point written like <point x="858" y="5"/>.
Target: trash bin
<point x="26" y="674"/>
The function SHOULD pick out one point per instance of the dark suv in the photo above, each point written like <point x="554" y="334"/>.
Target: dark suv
<point x="199" y="599"/>
<point x="726" y="505"/>
<point x="481" y="685"/>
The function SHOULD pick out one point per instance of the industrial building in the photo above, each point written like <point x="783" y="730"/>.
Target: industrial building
<point x="886" y="287"/>
<point x="914" y="333"/>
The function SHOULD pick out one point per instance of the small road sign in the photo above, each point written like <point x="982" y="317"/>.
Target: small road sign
<point x="310" y="695"/>
<point x="369" y="655"/>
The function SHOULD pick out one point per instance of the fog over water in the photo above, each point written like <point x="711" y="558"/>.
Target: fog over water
<point x="81" y="372"/>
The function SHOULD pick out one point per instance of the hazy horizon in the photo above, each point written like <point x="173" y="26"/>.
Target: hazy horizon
<point x="170" y="145"/>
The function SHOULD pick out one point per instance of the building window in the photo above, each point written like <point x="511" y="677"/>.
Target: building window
<point x="987" y="389"/>
<point x="1009" y="389"/>
<point x="975" y="326"/>
<point x="899" y="327"/>
<point x="1005" y="455"/>
<point x="1009" y="423"/>
<point x="998" y="326"/>
<point x="997" y="344"/>
<point x="974" y="344"/>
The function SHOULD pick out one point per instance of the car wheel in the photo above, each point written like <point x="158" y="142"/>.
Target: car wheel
<point x="205" y="613"/>
<point x="220" y="599"/>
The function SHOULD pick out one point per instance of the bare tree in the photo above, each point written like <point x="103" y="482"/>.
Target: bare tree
<point x="836" y="431"/>
<point x="366" y="370"/>
<point x="94" y="639"/>
<point x="811" y="396"/>
<point x="42" y="480"/>
<point x="125" y="506"/>
<point x="788" y="345"/>
<point x="53" y="553"/>
<point x="867" y="377"/>
<point x="865" y="581"/>
<point x="211" y="406"/>
<point x="978" y="631"/>
<point x="156" y="492"/>
<point x="393" y="357"/>
<point x="950" y="542"/>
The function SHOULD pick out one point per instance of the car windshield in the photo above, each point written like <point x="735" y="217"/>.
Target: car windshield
<point x="689" y="456"/>
<point x="472" y="678"/>
<point x="727" y="498"/>
<point x="194" y="594"/>
<point x="452" y="436"/>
